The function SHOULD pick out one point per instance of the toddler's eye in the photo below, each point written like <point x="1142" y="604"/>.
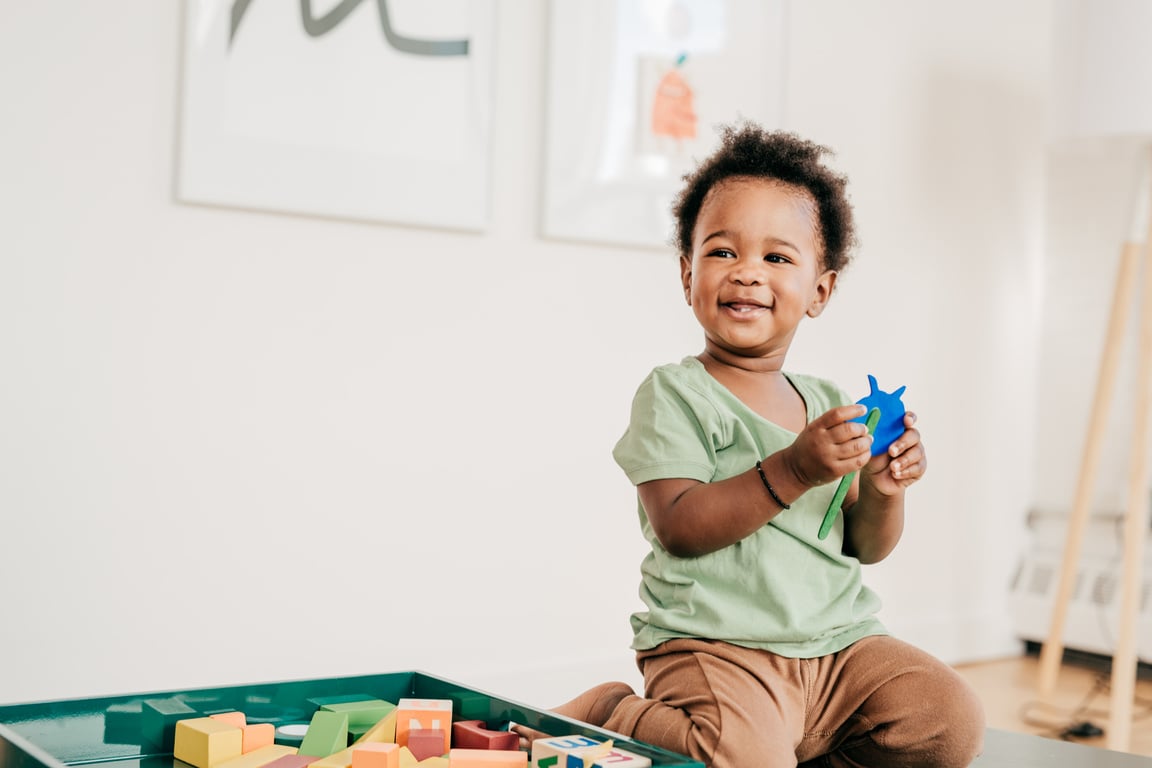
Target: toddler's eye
<point x="776" y="258"/>
<point x="723" y="253"/>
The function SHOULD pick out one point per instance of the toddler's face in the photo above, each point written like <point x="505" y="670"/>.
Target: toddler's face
<point x="756" y="268"/>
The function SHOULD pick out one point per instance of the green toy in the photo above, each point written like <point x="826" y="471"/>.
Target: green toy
<point x="846" y="481"/>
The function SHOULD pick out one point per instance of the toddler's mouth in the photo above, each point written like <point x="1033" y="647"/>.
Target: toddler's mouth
<point x="744" y="306"/>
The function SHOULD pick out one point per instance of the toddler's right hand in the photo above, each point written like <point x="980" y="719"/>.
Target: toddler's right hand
<point x="831" y="446"/>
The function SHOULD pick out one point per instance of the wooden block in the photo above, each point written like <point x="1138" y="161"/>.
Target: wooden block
<point x="376" y="755"/>
<point x="619" y="758"/>
<point x="473" y="734"/>
<point x="487" y="758"/>
<point x="257" y="736"/>
<point x="232" y="718"/>
<point x="259" y="758"/>
<point x="384" y="731"/>
<point x="424" y="714"/>
<point x="565" y="751"/>
<point x="428" y="742"/>
<point x="364" y="713"/>
<point x="407" y="759"/>
<point x="327" y="733"/>
<point x="341" y="759"/>
<point x="292" y="760"/>
<point x="158" y="718"/>
<point x="435" y="762"/>
<point x="205" y="743"/>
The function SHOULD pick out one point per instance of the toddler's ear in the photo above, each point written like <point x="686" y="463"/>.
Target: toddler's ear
<point x="823" y="293"/>
<point x="686" y="278"/>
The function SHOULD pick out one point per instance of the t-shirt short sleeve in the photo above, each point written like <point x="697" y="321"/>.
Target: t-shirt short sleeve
<point x="674" y="431"/>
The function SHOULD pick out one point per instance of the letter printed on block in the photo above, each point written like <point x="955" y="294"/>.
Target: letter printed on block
<point x="424" y="714"/>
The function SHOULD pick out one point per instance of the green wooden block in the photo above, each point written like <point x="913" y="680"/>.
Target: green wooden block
<point x="362" y="715"/>
<point x="327" y="734"/>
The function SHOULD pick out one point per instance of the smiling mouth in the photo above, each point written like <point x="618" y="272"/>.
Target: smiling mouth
<point x="744" y="306"/>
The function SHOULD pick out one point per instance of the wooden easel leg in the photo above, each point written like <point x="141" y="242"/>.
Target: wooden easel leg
<point x="1124" y="661"/>
<point x="1052" y="652"/>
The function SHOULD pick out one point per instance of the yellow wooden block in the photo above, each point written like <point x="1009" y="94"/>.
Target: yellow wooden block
<point x="259" y="757"/>
<point x="384" y="731"/>
<point x="341" y="759"/>
<point x="435" y="762"/>
<point x="407" y="759"/>
<point x="204" y="742"/>
<point x="424" y="714"/>
<point x="375" y="754"/>
<point x="487" y="758"/>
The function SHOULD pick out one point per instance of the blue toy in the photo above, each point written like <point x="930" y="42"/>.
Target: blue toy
<point x="885" y="422"/>
<point x="891" y="424"/>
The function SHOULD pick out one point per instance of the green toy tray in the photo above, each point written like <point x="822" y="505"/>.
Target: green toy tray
<point x="121" y="732"/>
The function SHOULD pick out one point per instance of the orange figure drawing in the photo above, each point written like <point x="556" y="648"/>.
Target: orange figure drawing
<point x="672" y="111"/>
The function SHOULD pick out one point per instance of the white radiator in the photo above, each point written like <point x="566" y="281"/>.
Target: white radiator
<point x="1093" y="611"/>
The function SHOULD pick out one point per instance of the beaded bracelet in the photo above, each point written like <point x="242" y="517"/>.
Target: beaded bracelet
<point x="771" y="490"/>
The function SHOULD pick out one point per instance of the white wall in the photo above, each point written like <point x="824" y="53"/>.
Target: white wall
<point x="238" y="446"/>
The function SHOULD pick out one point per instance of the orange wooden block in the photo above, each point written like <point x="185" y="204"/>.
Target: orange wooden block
<point x="424" y="714"/>
<point x="236" y="719"/>
<point x="376" y="755"/>
<point x="487" y="758"/>
<point x="258" y="735"/>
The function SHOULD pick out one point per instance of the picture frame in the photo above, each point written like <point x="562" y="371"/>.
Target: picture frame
<point x="375" y="110"/>
<point x="636" y="91"/>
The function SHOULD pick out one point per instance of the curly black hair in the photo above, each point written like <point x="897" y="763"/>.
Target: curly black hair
<point x="749" y="151"/>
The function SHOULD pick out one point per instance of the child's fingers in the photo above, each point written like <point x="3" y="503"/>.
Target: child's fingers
<point x="839" y="415"/>
<point x="910" y="467"/>
<point x="906" y="441"/>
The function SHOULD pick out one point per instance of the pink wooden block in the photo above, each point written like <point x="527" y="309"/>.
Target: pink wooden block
<point x="426" y="742"/>
<point x="473" y="734"/>
<point x="292" y="761"/>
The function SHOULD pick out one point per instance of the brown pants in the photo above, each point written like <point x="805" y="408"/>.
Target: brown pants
<point x="880" y="703"/>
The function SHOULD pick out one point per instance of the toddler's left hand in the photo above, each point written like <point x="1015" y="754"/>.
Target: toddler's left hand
<point x="901" y="465"/>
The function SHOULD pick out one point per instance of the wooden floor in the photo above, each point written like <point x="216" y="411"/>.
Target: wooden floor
<point x="1008" y="690"/>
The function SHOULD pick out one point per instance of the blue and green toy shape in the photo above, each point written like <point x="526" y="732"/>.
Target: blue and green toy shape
<point x="891" y="424"/>
<point x="885" y="420"/>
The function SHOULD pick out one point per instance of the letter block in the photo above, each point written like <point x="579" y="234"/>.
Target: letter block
<point x="487" y="758"/>
<point x="618" y="758"/>
<point x="566" y="751"/>
<point x="473" y="734"/>
<point x="424" y="714"/>
<point x="204" y="742"/>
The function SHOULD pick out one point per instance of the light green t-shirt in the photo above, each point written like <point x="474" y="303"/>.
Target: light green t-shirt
<point x="781" y="588"/>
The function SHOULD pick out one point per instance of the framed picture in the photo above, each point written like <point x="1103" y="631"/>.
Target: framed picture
<point x="636" y="91"/>
<point x="374" y="110"/>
